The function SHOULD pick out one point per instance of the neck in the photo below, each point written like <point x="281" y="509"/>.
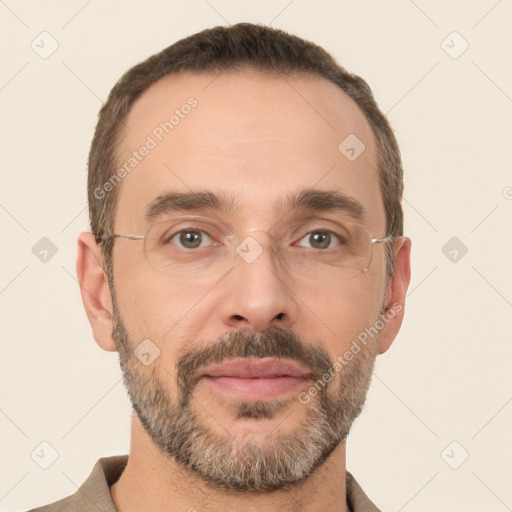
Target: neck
<point x="154" y="481"/>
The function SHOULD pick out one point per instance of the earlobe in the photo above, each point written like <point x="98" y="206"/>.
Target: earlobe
<point x="394" y="305"/>
<point x="95" y="290"/>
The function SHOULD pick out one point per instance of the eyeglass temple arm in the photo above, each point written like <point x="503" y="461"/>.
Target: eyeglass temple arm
<point x="141" y="237"/>
<point x="126" y="237"/>
<point x="388" y="238"/>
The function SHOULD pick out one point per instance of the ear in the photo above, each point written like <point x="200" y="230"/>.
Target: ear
<point x="95" y="291"/>
<point x="394" y="305"/>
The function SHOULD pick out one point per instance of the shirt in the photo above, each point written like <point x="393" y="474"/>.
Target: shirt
<point x="94" y="494"/>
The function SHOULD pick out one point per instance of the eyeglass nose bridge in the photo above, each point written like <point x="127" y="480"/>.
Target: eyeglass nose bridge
<point x="262" y="248"/>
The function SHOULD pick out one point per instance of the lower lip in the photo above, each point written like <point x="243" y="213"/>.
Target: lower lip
<point x="256" y="388"/>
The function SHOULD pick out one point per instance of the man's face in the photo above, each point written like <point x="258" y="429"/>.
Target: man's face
<point x="244" y="320"/>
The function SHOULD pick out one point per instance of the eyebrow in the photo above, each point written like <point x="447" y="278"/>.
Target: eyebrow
<point x="187" y="201"/>
<point x="324" y="201"/>
<point x="304" y="200"/>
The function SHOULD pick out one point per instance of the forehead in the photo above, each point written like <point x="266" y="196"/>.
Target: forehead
<point x="246" y="134"/>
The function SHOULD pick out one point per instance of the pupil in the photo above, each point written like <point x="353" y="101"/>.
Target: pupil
<point x="190" y="239"/>
<point x="320" y="240"/>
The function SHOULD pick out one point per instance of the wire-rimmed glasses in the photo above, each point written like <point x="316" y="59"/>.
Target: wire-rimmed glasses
<point x="339" y="252"/>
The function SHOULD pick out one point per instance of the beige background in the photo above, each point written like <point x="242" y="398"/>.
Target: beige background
<point x="447" y="377"/>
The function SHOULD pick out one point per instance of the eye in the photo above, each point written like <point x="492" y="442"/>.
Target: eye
<point x="190" y="239"/>
<point x="320" y="240"/>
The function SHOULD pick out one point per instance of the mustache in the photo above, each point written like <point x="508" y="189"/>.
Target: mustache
<point x="273" y="342"/>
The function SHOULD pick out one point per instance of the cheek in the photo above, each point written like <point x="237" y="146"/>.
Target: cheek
<point x="336" y="315"/>
<point x="153" y="306"/>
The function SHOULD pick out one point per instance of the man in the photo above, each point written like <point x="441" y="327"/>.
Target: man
<point x="247" y="262"/>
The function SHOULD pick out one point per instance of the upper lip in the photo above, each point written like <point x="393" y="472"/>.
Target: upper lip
<point x="253" y="368"/>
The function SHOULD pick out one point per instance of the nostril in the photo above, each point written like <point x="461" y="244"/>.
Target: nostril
<point x="238" y="317"/>
<point x="279" y="316"/>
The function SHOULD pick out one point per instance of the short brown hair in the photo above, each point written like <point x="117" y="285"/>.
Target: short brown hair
<point x="228" y="49"/>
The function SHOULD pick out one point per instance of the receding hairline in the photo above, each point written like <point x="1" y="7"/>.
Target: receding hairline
<point x="250" y="70"/>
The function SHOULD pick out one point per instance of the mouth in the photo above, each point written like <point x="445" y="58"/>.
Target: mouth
<point x="256" y="379"/>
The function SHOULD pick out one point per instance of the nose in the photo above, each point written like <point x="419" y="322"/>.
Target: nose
<point x="256" y="295"/>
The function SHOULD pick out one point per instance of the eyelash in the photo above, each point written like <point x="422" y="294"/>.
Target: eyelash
<point x="169" y="239"/>
<point x="188" y="230"/>
<point x="323" y="231"/>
